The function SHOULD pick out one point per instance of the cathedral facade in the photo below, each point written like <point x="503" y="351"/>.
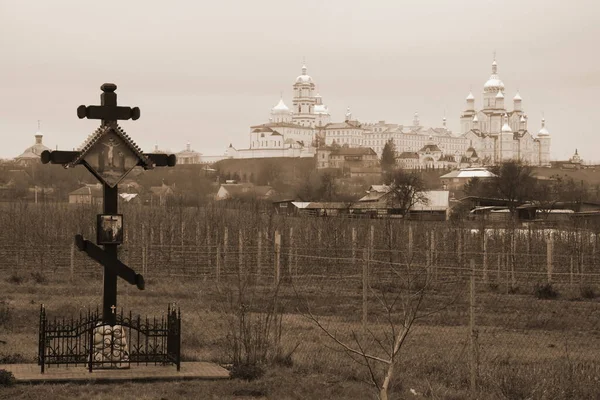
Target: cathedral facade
<point x="489" y="135"/>
<point x="498" y="134"/>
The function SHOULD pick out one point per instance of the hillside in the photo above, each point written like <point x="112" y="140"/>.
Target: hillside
<point x="591" y="176"/>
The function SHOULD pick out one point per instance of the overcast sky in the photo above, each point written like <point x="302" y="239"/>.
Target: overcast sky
<point x="203" y="72"/>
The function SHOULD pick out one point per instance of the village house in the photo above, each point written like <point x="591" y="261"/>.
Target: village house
<point x="88" y="194"/>
<point x="159" y="195"/>
<point x="378" y="202"/>
<point x="244" y="191"/>
<point x="454" y="181"/>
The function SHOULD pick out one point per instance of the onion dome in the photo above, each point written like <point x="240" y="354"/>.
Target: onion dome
<point x="280" y="108"/>
<point x="500" y="95"/>
<point x="505" y="127"/>
<point x="348" y="114"/>
<point x="304" y="78"/>
<point x="470" y="96"/>
<point x="522" y="119"/>
<point x="517" y="97"/>
<point x="494" y="83"/>
<point x="543" y="131"/>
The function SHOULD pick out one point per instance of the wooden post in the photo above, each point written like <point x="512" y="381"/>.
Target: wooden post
<point x="571" y="273"/>
<point x="208" y="249"/>
<point x="225" y="248"/>
<point x="72" y="260"/>
<point x="372" y="241"/>
<point x="472" y="331"/>
<point x="513" y="246"/>
<point x="290" y="252"/>
<point x="410" y="244"/>
<point x="218" y="265"/>
<point x="365" y="287"/>
<point x="259" y="254"/>
<point x="353" y="245"/>
<point x="485" y="258"/>
<point x="240" y="252"/>
<point x="549" y="245"/>
<point x="433" y="253"/>
<point x="277" y="257"/>
<point x="459" y="246"/>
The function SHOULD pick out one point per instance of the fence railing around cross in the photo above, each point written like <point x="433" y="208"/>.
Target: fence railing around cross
<point x="87" y="341"/>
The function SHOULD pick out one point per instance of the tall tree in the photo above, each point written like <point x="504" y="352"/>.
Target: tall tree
<point x="388" y="156"/>
<point x="328" y="189"/>
<point x="514" y="182"/>
<point x="407" y="188"/>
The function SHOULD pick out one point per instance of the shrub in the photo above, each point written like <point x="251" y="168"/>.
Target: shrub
<point x="247" y="372"/>
<point x="16" y="279"/>
<point x="493" y="286"/>
<point x="5" y="313"/>
<point x="6" y="378"/>
<point x="39" y="278"/>
<point x="588" y="292"/>
<point x="545" y="291"/>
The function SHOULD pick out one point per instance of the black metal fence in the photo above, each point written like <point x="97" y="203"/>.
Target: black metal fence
<point x="87" y="341"/>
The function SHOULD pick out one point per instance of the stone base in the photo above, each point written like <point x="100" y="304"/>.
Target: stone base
<point x="110" y="347"/>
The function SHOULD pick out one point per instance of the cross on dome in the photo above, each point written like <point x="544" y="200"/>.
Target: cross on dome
<point x="494" y="83"/>
<point x="543" y="131"/>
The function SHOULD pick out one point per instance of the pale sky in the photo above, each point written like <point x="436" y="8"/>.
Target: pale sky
<point x="203" y="72"/>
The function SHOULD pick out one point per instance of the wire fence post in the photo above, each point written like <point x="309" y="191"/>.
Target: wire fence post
<point x="72" y="260"/>
<point x="218" y="265"/>
<point x="291" y="251"/>
<point x="240" y="252"/>
<point x="485" y="258"/>
<point x="433" y="272"/>
<point x="365" y="283"/>
<point x="410" y="244"/>
<point x="225" y="246"/>
<point x="549" y="245"/>
<point x="353" y="245"/>
<point x="277" y="257"/>
<point x="472" y="332"/>
<point x="259" y="253"/>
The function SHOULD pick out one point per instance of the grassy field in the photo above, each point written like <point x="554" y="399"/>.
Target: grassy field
<point x="527" y="347"/>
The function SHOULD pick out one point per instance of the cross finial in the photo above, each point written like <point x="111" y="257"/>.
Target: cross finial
<point x="113" y="308"/>
<point x="39" y="124"/>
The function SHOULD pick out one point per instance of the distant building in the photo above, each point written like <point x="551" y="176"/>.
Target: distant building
<point x="188" y="156"/>
<point x="498" y="134"/>
<point x="88" y="194"/>
<point x="347" y="158"/>
<point x="454" y="181"/>
<point x="575" y="162"/>
<point x="159" y="195"/>
<point x="32" y="153"/>
<point x="244" y="191"/>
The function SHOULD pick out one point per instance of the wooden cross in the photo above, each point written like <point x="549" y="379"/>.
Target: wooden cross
<point x="108" y="112"/>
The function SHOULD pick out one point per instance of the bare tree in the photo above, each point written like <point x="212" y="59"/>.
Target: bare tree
<point x="514" y="182"/>
<point x="377" y="347"/>
<point x="407" y="188"/>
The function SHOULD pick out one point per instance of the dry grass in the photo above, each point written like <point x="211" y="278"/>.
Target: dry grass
<point x="528" y="348"/>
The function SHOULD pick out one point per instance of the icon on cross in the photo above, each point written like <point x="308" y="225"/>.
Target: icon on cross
<point x="113" y="308"/>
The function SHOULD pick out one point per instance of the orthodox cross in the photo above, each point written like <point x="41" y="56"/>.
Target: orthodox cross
<point x="109" y="154"/>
